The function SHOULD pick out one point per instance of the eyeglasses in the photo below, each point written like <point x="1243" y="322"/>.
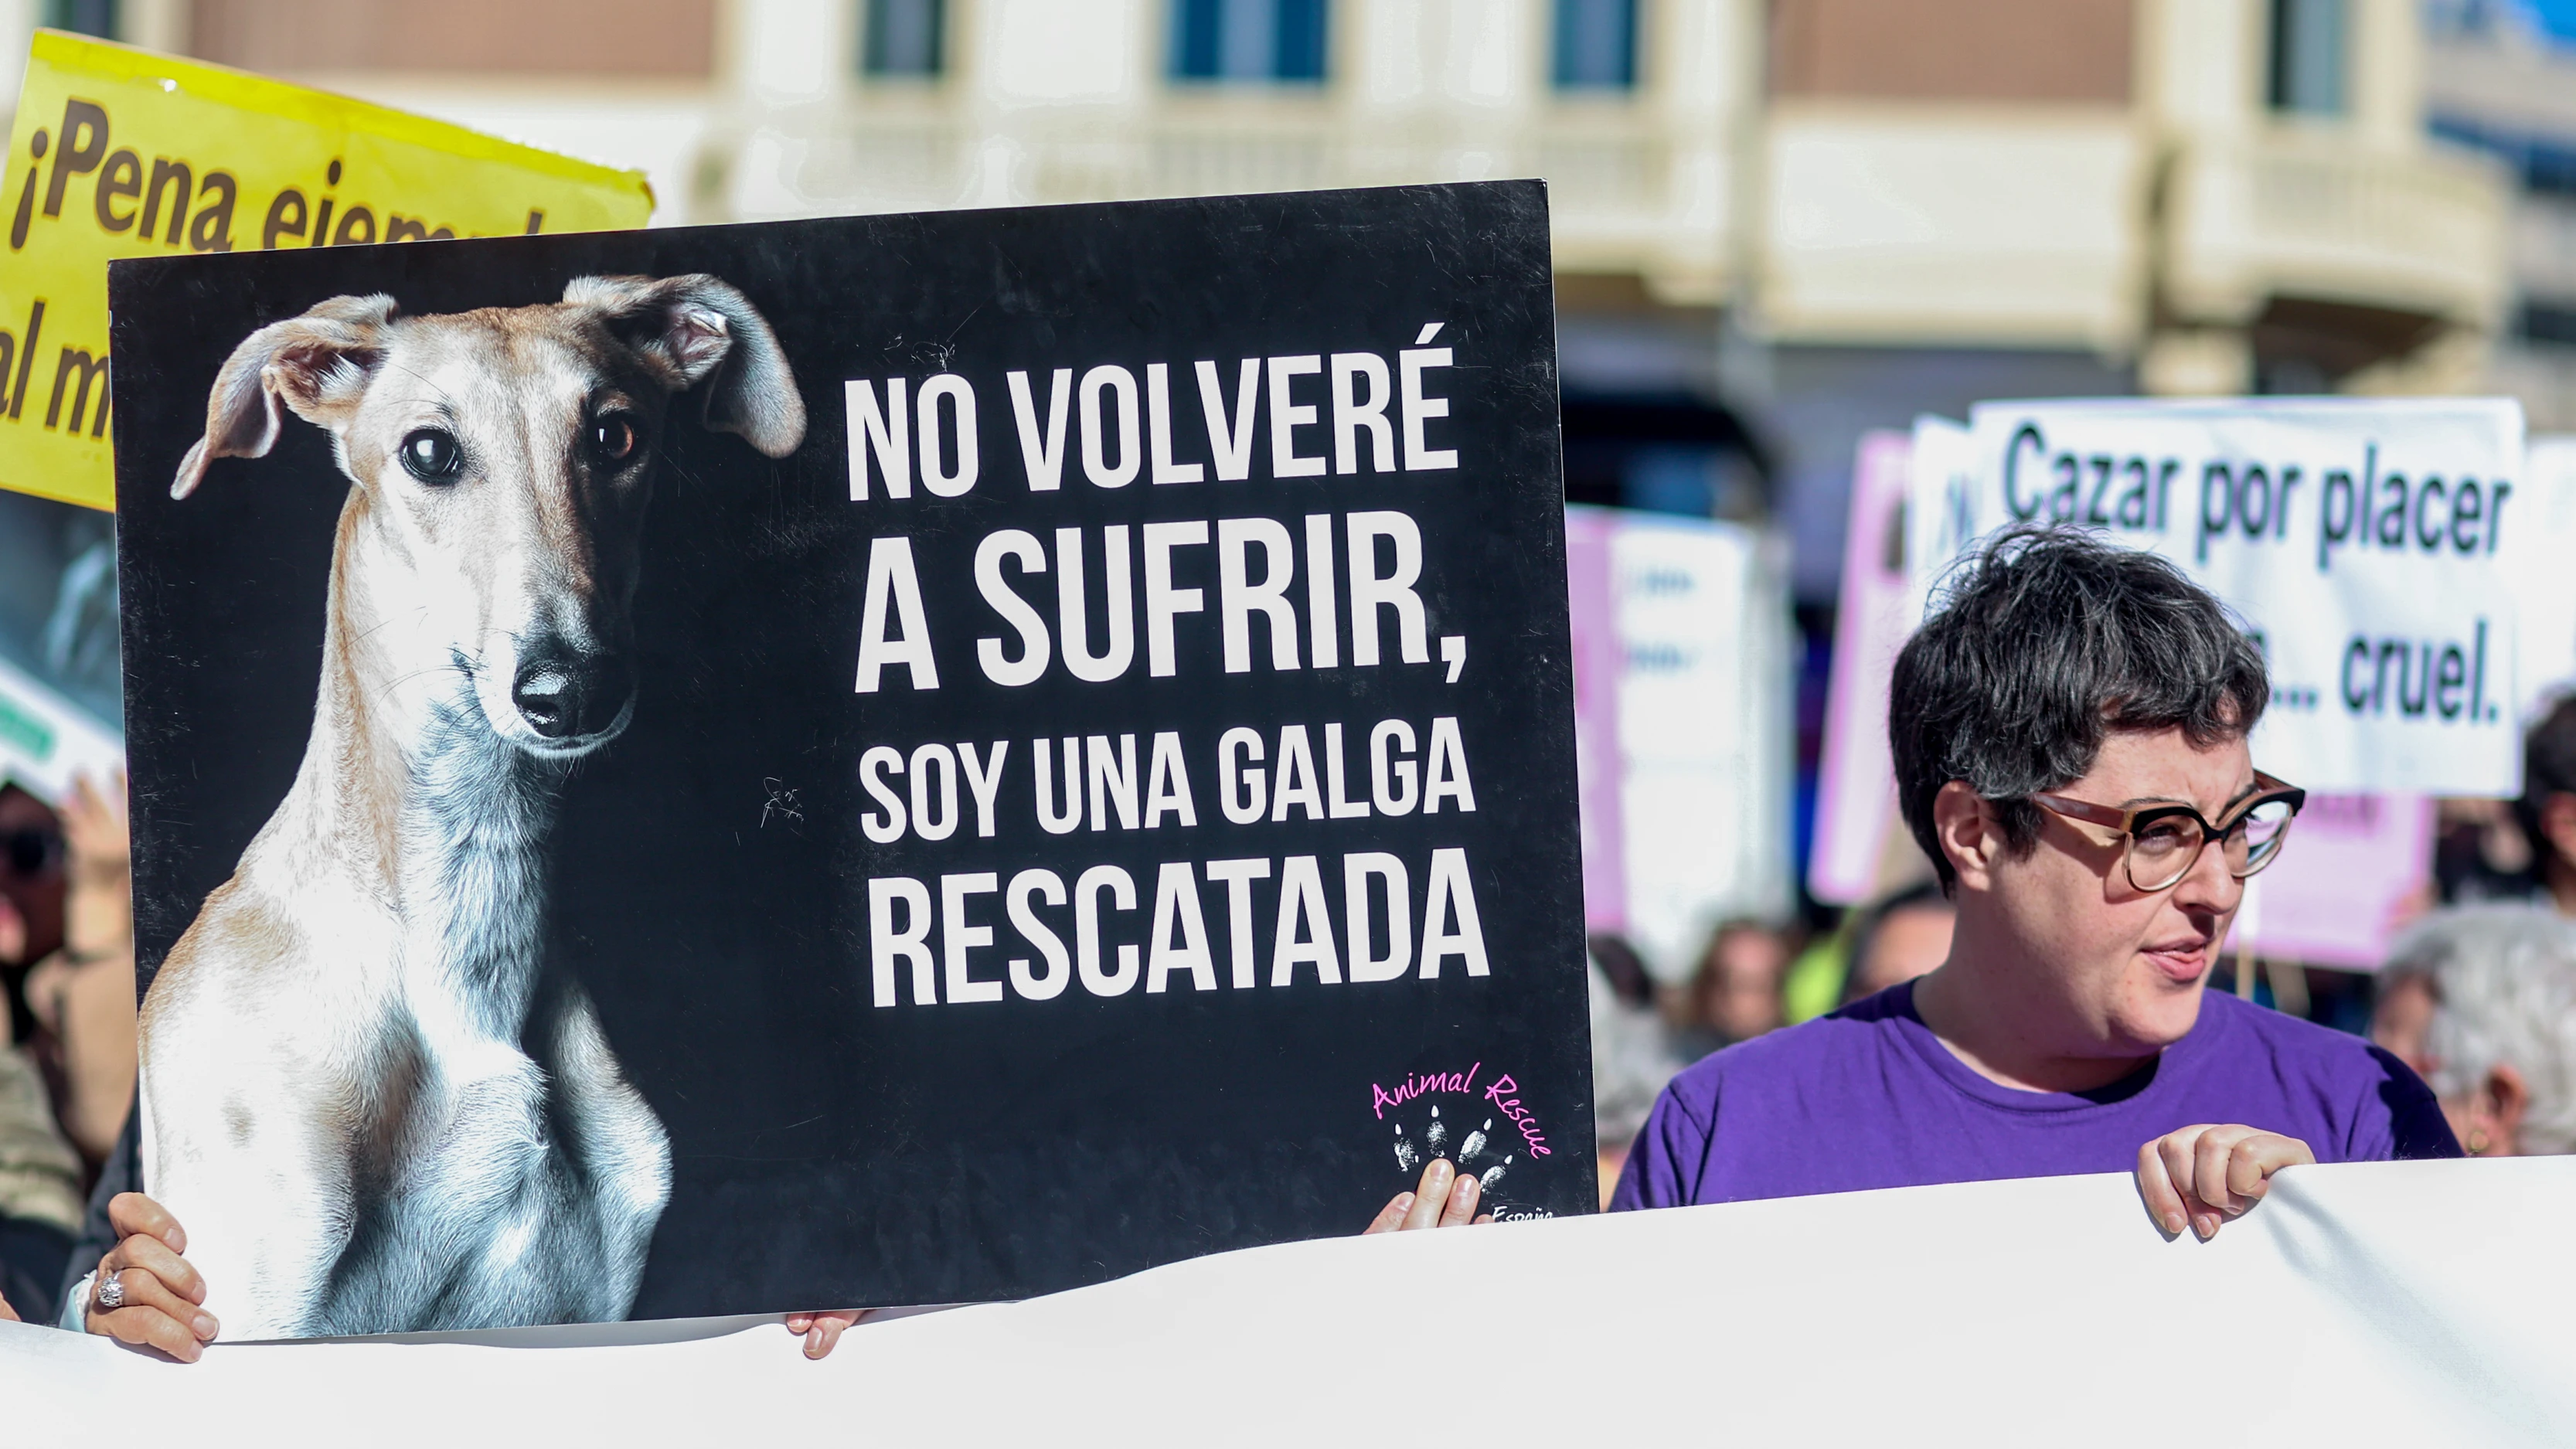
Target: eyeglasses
<point x="28" y="853"/>
<point x="2162" y="842"/>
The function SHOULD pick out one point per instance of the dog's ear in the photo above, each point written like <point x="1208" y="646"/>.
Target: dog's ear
<point x="318" y="364"/>
<point x="697" y="329"/>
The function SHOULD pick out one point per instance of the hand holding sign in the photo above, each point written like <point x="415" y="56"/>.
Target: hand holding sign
<point x="145" y="1293"/>
<point x="2202" y="1175"/>
<point x="1445" y="1198"/>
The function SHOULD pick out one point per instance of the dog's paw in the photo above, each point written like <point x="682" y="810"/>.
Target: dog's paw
<point x="1471" y="1150"/>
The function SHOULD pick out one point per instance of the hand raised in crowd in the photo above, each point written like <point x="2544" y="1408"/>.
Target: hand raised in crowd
<point x="84" y="993"/>
<point x="2200" y="1176"/>
<point x="1445" y="1198"/>
<point x="98" y="842"/>
<point x="145" y="1293"/>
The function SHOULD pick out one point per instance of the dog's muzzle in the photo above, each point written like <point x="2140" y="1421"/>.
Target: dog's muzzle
<point x="565" y="700"/>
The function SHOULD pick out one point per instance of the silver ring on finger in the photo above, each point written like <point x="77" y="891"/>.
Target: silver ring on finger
<point x="111" y="1291"/>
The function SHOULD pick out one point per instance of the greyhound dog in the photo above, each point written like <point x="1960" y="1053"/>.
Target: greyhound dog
<point x="366" y="1091"/>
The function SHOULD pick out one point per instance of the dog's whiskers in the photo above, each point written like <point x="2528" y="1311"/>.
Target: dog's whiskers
<point x="417" y="611"/>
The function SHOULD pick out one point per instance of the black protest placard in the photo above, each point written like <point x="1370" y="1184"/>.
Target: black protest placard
<point x="884" y="760"/>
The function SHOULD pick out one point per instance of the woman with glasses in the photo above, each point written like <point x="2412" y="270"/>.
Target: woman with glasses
<point x="2070" y="740"/>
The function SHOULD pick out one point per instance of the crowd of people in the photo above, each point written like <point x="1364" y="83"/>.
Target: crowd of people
<point x="1754" y="977"/>
<point x="2071" y="733"/>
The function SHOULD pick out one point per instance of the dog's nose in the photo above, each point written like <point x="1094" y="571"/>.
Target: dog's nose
<point x="549" y="699"/>
<point x="565" y="701"/>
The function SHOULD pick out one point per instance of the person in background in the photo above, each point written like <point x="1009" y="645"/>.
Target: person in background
<point x="2481" y="1000"/>
<point x="2547" y="814"/>
<point x="82" y="993"/>
<point x="1901" y="935"/>
<point x="31" y="894"/>
<point x="1735" y="994"/>
<point x="1631" y="1059"/>
<point x="1898" y="939"/>
<point x="40" y="1182"/>
<point x="2480" y="853"/>
<point x="67" y="946"/>
<point x="40" y="1174"/>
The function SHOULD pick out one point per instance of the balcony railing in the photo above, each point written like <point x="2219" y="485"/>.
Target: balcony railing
<point x="1626" y="196"/>
<point x="2320" y="216"/>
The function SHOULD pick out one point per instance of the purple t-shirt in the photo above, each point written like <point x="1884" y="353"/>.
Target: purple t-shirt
<point x="1868" y="1097"/>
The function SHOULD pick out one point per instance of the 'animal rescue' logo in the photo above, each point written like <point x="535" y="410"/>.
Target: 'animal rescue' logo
<point x="1507" y="1132"/>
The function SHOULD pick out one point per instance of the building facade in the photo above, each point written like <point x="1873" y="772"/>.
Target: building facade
<point x="2497" y="81"/>
<point x="1778" y="223"/>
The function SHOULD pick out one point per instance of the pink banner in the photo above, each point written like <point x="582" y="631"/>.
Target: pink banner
<point x="2352" y="873"/>
<point x="1856" y="791"/>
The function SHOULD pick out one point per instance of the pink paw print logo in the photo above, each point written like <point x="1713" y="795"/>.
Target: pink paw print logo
<point x="1434" y="1142"/>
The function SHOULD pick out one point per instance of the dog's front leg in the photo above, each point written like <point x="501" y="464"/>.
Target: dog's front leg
<point x="258" y="1181"/>
<point x="622" y="1155"/>
<point x="252" y="1096"/>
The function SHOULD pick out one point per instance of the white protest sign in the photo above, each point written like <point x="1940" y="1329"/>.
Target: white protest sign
<point x="2378" y="549"/>
<point x="2548" y="621"/>
<point x="1680" y="635"/>
<point x="1940" y="519"/>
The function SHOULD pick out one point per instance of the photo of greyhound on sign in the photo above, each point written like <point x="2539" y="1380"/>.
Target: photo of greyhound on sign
<point x="374" y="1099"/>
<point x="1087" y="679"/>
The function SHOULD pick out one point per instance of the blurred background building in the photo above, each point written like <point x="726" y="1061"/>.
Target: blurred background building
<point x="2497" y="79"/>
<point x="1778" y="222"/>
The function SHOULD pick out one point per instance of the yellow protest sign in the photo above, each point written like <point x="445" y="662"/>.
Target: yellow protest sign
<point x="120" y="152"/>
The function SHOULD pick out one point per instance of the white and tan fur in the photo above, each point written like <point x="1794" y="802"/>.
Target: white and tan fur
<point x="367" y="1092"/>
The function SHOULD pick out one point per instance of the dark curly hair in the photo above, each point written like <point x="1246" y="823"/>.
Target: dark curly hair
<point x="2038" y="646"/>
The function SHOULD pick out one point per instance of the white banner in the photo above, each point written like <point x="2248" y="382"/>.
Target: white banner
<point x="2379" y="548"/>
<point x="2400" y="1304"/>
<point x="2549" y="588"/>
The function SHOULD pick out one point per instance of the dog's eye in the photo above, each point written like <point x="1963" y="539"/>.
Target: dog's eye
<point x="431" y="455"/>
<point x="613" y="439"/>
